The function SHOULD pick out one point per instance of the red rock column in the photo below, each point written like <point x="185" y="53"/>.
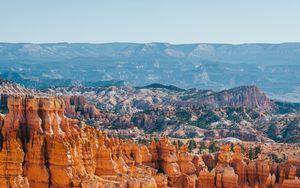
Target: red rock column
<point x="168" y="160"/>
<point x="105" y="165"/>
<point x="11" y="159"/>
<point x="60" y="161"/>
<point x="35" y="168"/>
<point x="34" y="122"/>
<point x="263" y="172"/>
<point x="185" y="161"/>
<point x="153" y="150"/>
<point x="239" y="166"/>
<point x="14" y="118"/>
<point x="251" y="173"/>
<point x="206" y="179"/>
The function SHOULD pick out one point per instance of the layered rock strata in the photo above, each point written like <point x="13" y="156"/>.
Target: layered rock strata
<point x="40" y="147"/>
<point x="43" y="148"/>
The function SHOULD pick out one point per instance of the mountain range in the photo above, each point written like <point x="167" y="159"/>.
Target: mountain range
<point x="272" y="67"/>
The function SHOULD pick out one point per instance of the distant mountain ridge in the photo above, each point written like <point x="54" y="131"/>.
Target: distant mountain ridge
<point x="240" y="53"/>
<point x="272" y="67"/>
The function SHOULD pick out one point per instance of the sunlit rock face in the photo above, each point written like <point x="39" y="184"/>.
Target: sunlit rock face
<point x="11" y="159"/>
<point x="35" y="160"/>
<point x="41" y="148"/>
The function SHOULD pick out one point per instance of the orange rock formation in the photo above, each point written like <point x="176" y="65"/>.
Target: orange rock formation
<point x="40" y="147"/>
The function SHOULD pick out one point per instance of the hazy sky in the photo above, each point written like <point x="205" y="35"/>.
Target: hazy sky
<point x="174" y="21"/>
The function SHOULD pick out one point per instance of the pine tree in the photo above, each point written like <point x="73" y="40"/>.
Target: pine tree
<point x="179" y="144"/>
<point x="202" y="147"/>
<point x="192" y="145"/>
<point x="213" y="147"/>
<point x="251" y="154"/>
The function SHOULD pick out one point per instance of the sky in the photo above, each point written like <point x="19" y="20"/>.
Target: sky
<point x="173" y="21"/>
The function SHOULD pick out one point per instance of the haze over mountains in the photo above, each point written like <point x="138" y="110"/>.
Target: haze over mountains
<point x="272" y="67"/>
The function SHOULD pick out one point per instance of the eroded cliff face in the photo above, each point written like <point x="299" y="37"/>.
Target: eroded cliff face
<point x="43" y="148"/>
<point x="40" y="147"/>
<point x="244" y="96"/>
<point x="77" y="105"/>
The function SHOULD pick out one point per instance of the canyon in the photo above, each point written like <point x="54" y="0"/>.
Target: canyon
<point x="172" y="111"/>
<point x="243" y="112"/>
<point x="40" y="147"/>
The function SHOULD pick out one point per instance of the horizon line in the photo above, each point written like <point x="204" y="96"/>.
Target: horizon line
<point x="154" y="42"/>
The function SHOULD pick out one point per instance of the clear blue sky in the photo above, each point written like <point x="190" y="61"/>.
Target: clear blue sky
<point x="174" y="21"/>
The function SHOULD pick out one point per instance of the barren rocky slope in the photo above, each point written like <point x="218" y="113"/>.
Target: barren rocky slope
<point x="243" y="112"/>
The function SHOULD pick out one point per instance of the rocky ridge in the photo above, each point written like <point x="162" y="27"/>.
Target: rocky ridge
<point x="244" y="96"/>
<point x="129" y="99"/>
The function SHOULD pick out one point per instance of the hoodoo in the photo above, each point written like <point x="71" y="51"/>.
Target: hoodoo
<point x="40" y="147"/>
